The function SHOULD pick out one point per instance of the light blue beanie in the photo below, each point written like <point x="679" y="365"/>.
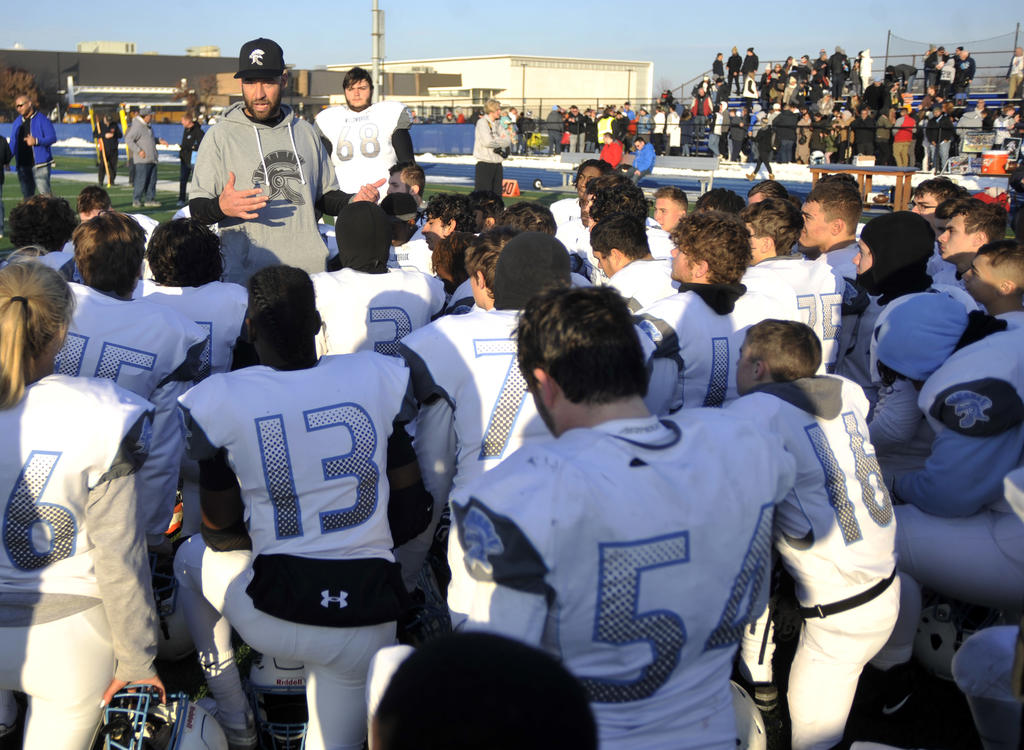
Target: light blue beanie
<point x="920" y="334"/>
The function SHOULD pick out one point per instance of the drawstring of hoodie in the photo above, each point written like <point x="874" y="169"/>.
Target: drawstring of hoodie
<point x="263" y="161"/>
<point x="291" y="134"/>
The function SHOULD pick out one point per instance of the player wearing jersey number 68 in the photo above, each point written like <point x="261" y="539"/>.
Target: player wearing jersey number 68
<point x="623" y="546"/>
<point x="365" y="139"/>
<point x="305" y="475"/>
<point x="835" y="531"/>
<point x="76" y="605"/>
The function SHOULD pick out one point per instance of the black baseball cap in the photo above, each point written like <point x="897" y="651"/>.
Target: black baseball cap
<point x="260" y="58"/>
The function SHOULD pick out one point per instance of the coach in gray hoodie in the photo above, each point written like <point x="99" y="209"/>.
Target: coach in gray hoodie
<point x="265" y="176"/>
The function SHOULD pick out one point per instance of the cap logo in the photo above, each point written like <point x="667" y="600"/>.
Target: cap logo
<point x="256" y="56"/>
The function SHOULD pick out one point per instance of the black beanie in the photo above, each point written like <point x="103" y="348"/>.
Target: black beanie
<point x="364" y="237"/>
<point x="400" y="205"/>
<point x="528" y="264"/>
<point x="901" y="244"/>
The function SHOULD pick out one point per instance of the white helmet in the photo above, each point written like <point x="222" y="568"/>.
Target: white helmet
<point x="750" y="733"/>
<point x="174" y="642"/>
<point x="138" y="721"/>
<point x="943" y="628"/>
<point x="277" y="692"/>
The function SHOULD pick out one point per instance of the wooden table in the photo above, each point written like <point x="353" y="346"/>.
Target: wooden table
<point x="864" y="176"/>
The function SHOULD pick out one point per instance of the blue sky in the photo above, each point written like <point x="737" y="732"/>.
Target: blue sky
<point x="681" y="38"/>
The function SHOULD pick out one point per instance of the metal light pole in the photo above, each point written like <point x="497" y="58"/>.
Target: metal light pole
<point x="377" y="36"/>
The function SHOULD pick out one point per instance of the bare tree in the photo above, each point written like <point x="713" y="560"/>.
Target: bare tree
<point x="183" y="92"/>
<point x="207" y="89"/>
<point x="14" y="82"/>
<point x="665" y="83"/>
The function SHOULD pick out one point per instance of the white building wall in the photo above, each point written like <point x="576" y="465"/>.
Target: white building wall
<point x="559" y="80"/>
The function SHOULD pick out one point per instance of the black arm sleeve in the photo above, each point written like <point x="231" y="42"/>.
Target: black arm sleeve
<point x="401" y="141"/>
<point x="206" y="210"/>
<point x="215" y="474"/>
<point x="410" y="507"/>
<point x="332" y="202"/>
<point x="233" y="537"/>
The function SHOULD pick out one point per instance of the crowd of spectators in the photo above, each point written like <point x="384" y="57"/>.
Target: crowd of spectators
<point x="829" y="109"/>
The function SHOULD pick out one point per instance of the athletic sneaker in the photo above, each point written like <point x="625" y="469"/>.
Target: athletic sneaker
<point x="897" y="688"/>
<point x="136" y="204"/>
<point x="152" y="204"/>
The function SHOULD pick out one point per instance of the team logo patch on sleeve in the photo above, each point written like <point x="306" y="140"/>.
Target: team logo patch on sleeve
<point x="651" y="330"/>
<point x="980" y="408"/>
<point x="480" y="540"/>
<point x="496" y="549"/>
<point x="969" y="407"/>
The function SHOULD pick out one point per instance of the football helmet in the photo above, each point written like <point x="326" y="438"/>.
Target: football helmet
<point x="943" y="628"/>
<point x="174" y="642"/>
<point x="750" y="732"/>
<point x="277" y="692"/>
<point x="138" y="721"/>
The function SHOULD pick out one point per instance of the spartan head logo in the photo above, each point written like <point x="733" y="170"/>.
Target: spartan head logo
<point x="651" y="330"/>
<point x="480" y="540"/>
<point x="282" y="173"/>
<point x="256" y="57"/>
<point x="969" y="407"/>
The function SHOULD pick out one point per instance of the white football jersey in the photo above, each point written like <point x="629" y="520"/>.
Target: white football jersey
<point x="576" y="239"/>
<point x="819" y="296"/>
<point x="470" y="361"/>
<point x="461" y="300"/>
<point x="836" y="531"/>
<point x="942" y="271"/>
<point x="62" y="261"/>
<point x="373" y="311"/>
<point x="361" y="149"/>
<point x="643" y="282"/>
<point x="635" y="561"/>
<point x="659" y="242"/>
<point x="309" y="448"/>
<point x="65" y="437"/>
<point x="565" y="210"/>
<point x="150" y="350"/>
<point x="704" y="344"/>
<point x="841" y="260"/>
<point x="414" y="255"/>
<point x="217" y="307"/>
<point x="1014" y="318"/>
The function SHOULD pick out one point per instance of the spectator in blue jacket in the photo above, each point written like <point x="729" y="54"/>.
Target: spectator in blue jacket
<point x="31" y="137"/>
<point x="643" y="160"/>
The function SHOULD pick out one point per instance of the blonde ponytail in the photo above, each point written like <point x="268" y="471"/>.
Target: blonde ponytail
<point x="35" y="308"/>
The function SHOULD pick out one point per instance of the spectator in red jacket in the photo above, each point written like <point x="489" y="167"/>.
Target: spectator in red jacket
<point x="903" y="139"/>
<point x="611" y="151"/>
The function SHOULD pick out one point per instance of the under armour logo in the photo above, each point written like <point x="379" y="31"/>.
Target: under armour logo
<point x="256" y="56"/>
<point x="341" y="599"/>
<point x="970" y="407"/>
<point x="481" y="540"/>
